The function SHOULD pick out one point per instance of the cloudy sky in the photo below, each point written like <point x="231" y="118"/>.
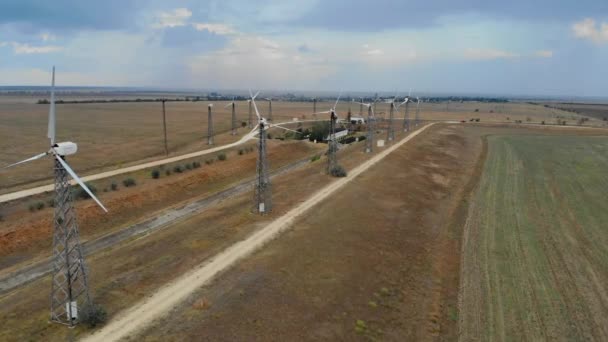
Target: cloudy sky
<point x="469" y="46"/>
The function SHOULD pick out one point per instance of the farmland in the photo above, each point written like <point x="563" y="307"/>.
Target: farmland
<point x="534" y="252"/>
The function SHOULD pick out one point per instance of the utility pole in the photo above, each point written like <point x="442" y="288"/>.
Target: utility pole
<point x="390" y="131"/>
<point x="314" y="107"/>
<point x="269" y="109"/>
<point x="370" y="131"/>
<point x="250" y="115"/>
<point x="165" y="127"/>
<point x="69" y="286"/>
<point x="233" y="118"/>
<point x="360" y="106"/>
<point x="209" y="125"/>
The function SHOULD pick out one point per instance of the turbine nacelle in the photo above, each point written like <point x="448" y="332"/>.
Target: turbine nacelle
<point x="65" y="148"/>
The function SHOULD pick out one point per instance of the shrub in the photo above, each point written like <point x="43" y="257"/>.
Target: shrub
<point x="178" y="169"/>
<point x="209" y="161"/>
<point x="243" y="124"/>
<point x="221" y="156"/>
<point x="476" y="110"/>
<point x="93" y="315"/>
<point x="337" y="171"/>
<point x="82" y="194"/>
<point x="50" y="203"/>
<point x="196" y="164"/>
<point x="155" y="174"/>
<point x="168" y="172"/>
<point x="188" y="166"/>
<point x="241" y="151"/>
<point x="32" y="207"/>
<point x="268" y="136"/>
<point x="114" y="186"/>
<point x="315" y="158"/>
<point x="129" y="182"/>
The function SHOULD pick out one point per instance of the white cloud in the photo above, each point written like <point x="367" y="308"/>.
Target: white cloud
<point x="543" y="53"/>
<point x="258" y="62"/>
<point x="47" y="37"/>
<point x="375" y="52"/>
<point x="587" y="29"/>
<point x="220" y="29"/>
<point x="27" y="49"/>
<point x="488" y="54"/>
<point x="177" y="17"/>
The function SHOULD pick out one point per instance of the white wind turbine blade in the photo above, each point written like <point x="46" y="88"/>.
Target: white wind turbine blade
<point x="38" y="156"/>
<point x="254" y="105"/>
<point x="325" y="112"/>
<point x="285" y="128"/>
<point x="51" y="131"/>
<point x="338" y="99"/>
<point x="77" y="179"/>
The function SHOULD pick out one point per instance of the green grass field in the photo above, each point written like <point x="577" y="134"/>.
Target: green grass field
<point x="535" y="255"/>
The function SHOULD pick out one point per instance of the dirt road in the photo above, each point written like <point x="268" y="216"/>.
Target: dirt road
<point x="161" y="302"/>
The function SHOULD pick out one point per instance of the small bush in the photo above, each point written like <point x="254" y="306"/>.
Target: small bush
<point x="241" y="152"/>
<point x="178" y="169"/>
<point x="188" y="166"/>
<point x="209" y="161"/>
<point x="32" y="207"/>
<point x="168" y="172"/>
<point x="476" y="110"/>
<point x="155" y="174"/>
<point x="93" y="315"/>
<point x="129" y="182"/>
<point x="114" y="186"/>
<point x="243" y="124"/>
<point x="315" y="158"/>
<point x="196" y="164"/>
<point x="268" y="136"/>
<point x="50" y="203"/>
<point x="82" y="194"/>
<point x="337" y="171"/>
<point x="221" y="156"/>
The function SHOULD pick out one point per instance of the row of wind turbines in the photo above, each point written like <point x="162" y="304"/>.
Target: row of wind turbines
<point x="69" y="286"/>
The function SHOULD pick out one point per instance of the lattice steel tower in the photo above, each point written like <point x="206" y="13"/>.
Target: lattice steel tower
<point x="332" y="160"/>
<point x="69" y="287"/>
<point x="406" y="116"/>
<point x="209" y="125"/>
<point x="262" y="192"/>
<point x="370" y="131"/>
<point x="390" y="131"/>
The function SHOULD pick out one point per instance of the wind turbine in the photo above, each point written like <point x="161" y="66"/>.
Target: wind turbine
<point x="233" y="116"/>
<point x="69" y="285"/>
<point x="370" y="126"/>
<point x="332" y="161"/>
<point x="314" y="107"/>
<point x="262" y="196"/>
<point x="209" y="125"/>
<point x="406" y="115"/>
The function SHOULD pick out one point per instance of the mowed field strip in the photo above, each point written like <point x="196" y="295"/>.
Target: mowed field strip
<point x="534" y="256"/>
<point x="162" y="301"/>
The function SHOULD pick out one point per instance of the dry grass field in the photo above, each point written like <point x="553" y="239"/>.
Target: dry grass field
<point x="112" y="135"/>
<point x="365" y="264"/>
<point x="535" y="258"/>
<point x="129" y="272"/>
